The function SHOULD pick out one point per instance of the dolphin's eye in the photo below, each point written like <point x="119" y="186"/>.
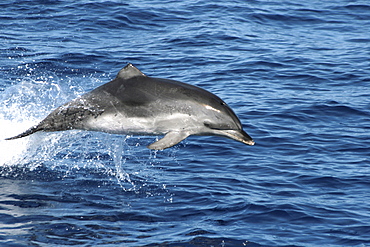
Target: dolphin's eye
<point x="223" y="103"/>
<point x="212" y="126"/>
<point x="216" y="126"/>
<point x="208" y="125"/>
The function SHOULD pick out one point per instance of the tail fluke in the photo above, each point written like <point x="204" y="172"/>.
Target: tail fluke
<point x="26" y="133"/>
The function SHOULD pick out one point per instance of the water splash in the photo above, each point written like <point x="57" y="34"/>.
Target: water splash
<point x="121" y="158"/>
<point x="22" y="106"/>
<point x="11" y="152"/>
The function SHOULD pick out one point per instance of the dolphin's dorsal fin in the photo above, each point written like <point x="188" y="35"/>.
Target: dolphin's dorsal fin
<point x="129" y="71"/>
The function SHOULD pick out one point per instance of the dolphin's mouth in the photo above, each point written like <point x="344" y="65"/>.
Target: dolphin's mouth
<point x="239" y="135"/>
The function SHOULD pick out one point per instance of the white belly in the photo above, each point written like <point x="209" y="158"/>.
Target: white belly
<point x="119" y="124"/>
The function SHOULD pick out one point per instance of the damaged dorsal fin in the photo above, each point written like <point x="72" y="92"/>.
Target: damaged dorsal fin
<point x="129" y="71"/>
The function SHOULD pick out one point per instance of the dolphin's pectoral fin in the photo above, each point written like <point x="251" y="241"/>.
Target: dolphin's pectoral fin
<point x="169" y="140"/>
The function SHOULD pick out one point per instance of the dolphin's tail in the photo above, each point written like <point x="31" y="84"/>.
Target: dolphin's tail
<point x="26" y="133"/>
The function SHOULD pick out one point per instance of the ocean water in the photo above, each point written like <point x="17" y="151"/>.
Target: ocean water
<point x="297" y="73"/>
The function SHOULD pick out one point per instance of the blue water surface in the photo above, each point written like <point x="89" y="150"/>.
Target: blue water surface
<point x="295" y="72"/>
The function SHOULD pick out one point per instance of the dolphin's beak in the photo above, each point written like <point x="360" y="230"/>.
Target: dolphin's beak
<point x="239" y="135"/>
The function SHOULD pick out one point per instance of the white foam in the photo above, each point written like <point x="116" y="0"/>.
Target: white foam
<point x="21" y="107"/>
<point x="13" y="150"/>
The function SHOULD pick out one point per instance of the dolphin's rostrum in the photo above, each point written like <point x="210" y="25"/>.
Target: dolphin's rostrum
<point x="135" y="104"/>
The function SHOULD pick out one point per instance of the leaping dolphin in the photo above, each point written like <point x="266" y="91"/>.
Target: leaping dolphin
<point x="136" y="104"/>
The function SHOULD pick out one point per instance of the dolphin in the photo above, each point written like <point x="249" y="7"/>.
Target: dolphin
<point x="136" y="104"/>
